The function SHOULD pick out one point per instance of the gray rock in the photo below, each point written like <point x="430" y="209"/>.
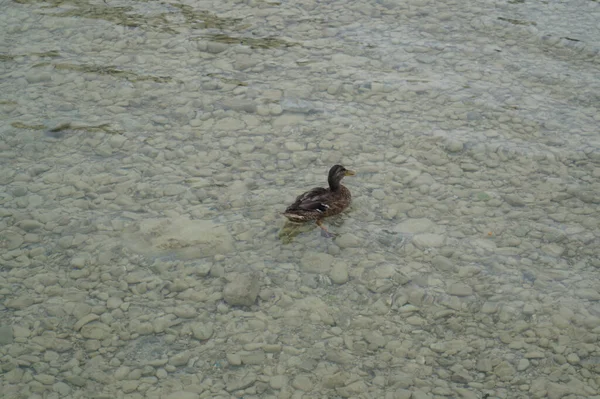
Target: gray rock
<point x="37" y="76"/>
<point x="428" y="240"/>
<point x="113" y="302"/>
<point x="96" y="330"/>
<point x="347" y="240"/>
<point x="514" y="200"/>
<point x="202" y="331"/>
<point x="6" y="335"/>
<point x="523" y="364"/>
<point x="588" y="293"/>
<point x="484" y="364"/>
<point x="183" y="395"/>
<point x="573" y="358"/>
<point x="443" y="264"/>
<point x="129" y="386"/>
<point x="317" y="262"/>
<point x="61" y="388"/>
<point x="215" y="47"/>
<point x="242" y="289"/>
<point x="185" y="311"/>
<point x="254" y="357"/>
<point x="453" y="145"/>
<point x="21" y="302"/>
<point x="85" y="320"/>
<point x="504" y="370"/>
<point x="239" y="380"/>
<point x="191" y="238"/>
<point x="303" y="383"/>
<point x="459" y="289"/>
<point x="418" y="394"/>
<point x="45" y="379"/>
<point x="10" y="240"/>
<point x="339" y="272"/>
<point x="534" y="355"/>
<point x="238" y="104"/>
<point x="278" y="381"/>
<point x="415" y="226"/>
<point x="234" y="359"/>
<point x="180" y="359"/>
<point x="30" y="225"/>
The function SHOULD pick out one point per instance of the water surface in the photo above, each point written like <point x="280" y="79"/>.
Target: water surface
<point x="147" y="150"/>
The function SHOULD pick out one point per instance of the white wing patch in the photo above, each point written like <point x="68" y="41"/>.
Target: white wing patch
<point x="325" y="206"/>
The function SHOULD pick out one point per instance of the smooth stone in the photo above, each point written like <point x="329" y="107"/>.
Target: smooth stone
<point x="459" y="289"/>
<point x="418" y="394"/>
<point x="588" y="293"/>
<point x="255" y="357"/>
<point x="85" y="320"/>
<point x="30" y="225"/>
<point x="160" y="324"/>
<point x="185" y="311"/>
<point x="339" y="273"/>
<point x="287" y="120"/>
<point x="402" y="394"/>
<point x="528" y="309"/>
<point x="190" y="238"/>
<point x="317" y="262"/>
<point x="20" y="303"/>
<point x="229" y="124"/>
<point x="553" y="250"/>
<point x="202" y="331"/>
<point x="303" y="383"/>
<point x="10" y="240"/>
<point x="122" y="372"/>
<point x="113" y="302"/>
<point x="453" y="145"/>
<point x="534" y="355"/>
<point x="347" y="240"/>
<point x="239" y="380"/>
<point x="484" y="365"/>
<point x="96" y="330"/>
<point x="242" y="290"/>
<point x="6" y="335"/>
<point x="294" y="146"/>
<point x="514" y="200"/>
<point x="504" y="370"/>
<point x="21" y="332"/>
<point x="180" y="359"/>
<point x="414" y="226"/>
<point x="62" y="388"/>
<point x="45" y="379"/>
<point x="490" y="307"/>
<point x="428" y="240"/>
<point x="216" y="47"/>
<point x="443" y="264"/>
<point x="573" y="358"/>
<point x="523" y="364"/>
<point x="183" y="395"/>
<point x="161" y="373"/>
<point x="234" y="359"/>
<point x="278" y="381"/>
<point x="36" y="76"/>
<point x="129" y="386"/>
<point x="171" y="190"/>
<point x="240" y="105"/>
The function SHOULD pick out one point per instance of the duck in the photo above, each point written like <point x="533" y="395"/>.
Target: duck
<point x="319" y="202"/>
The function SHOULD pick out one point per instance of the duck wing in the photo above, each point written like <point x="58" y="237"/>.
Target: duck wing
<point x="313" y="200"/>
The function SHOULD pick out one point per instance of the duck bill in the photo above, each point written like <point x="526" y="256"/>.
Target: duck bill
<point x="349" y="173"/>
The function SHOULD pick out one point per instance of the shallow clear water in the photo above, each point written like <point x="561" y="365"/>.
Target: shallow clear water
<point x="147" y="150"/>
